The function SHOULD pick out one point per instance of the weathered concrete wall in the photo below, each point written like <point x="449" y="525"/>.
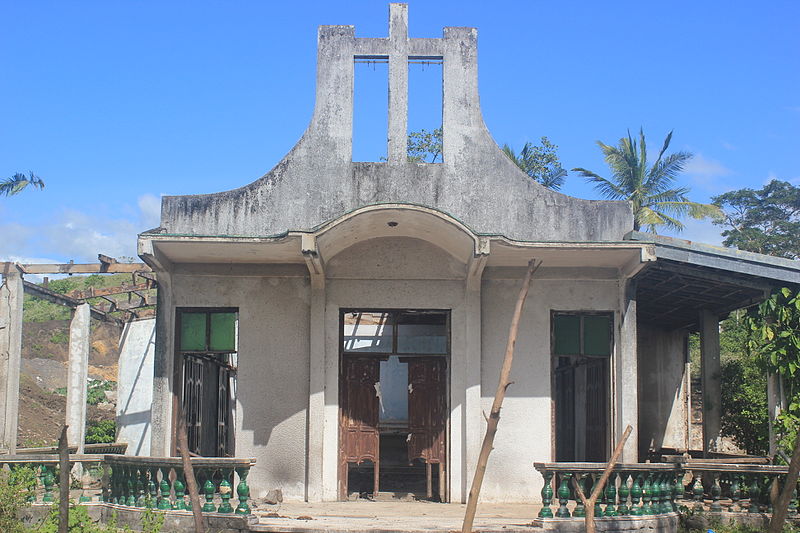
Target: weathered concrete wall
<point x="272" y="377"/>
<point x="525" y="433"/>
<point x="317" y="181"/>
<point x="135" y="385"/>
<point x="663" y="394"/>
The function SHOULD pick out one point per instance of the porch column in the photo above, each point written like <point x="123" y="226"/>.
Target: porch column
<point x="711" y="379"/>
<point x="626" y="373"/>
<point x="11" y="294"/>
<point x="77" y="374"/>
<point x="161" y="441"/>
<point x="473" y="425"/>
<point x="315" y="452"/>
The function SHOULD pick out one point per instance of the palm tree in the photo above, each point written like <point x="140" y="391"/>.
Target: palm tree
<point x="652" y="191"/>
<point x="539" y="162"/>
<point x="17" y="182"/>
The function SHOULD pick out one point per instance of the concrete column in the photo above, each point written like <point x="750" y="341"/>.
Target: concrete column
<point x="398" y="83"/>
<point x="77" y="374"/>
<point x="163" y="370"/>
<point x="626" y="373"/>
<point x="11" y="294"/>
<point x="711" y="378"/>
<point x="316" y="396"/>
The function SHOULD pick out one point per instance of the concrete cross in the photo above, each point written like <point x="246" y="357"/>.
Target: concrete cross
<point x="398" y="50"/>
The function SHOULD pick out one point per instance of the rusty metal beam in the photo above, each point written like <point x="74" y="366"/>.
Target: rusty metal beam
<point x="92" y="292"/>
<point x="62" y="299"/>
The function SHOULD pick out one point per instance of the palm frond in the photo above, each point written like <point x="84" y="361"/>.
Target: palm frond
<point x="606" y="187"/>
<point x="16" y="183"/>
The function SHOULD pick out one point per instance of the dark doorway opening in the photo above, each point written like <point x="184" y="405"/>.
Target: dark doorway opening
<point x="581" y="347"/>
<point x="393" y="391"/>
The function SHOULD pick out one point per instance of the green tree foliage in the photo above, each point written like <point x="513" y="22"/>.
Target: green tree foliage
<point x="651" y="189"/>
<point x="101" y="432"/>
<point x="766" y="220"/>
<point x="16" y="183"/>
<point x="775" y="340"/>
<point x="540" y="162"/>
<point x="15" y="488"/>
<point x="425" y="146"/>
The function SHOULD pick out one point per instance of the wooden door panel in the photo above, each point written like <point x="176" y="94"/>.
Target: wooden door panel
<point x="359" y="421"/>
<point x="427" y="415"/>
<point x="596" y="410"/>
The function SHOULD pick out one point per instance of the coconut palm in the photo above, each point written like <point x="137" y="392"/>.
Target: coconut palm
<point x="650" y="189"/>
<point x="17" y="182"/>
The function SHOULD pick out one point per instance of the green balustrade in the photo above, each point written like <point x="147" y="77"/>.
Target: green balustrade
<point x="141" y="485"/>
<point x="225" y="492"/>
<point x="698" y="491"/>
<point x="716" y="492"/>
<point x="163" y="501"/>
<point x="636" y="494"/>
<point x="580" y="509"/>
<point x="754" y="492"/>
<point x="180" y="490"/>
<point x="611" y="497"/>
<point x="563" y="495"/>
<point x="598" y="509"/>
<point x="208" y="491"/>
<point x="152" y="488"/>
<point x="48" y="480"/>
<point x="736" y="493"/>
<point x="243" y="491"/>
<point x="624" y="492"/>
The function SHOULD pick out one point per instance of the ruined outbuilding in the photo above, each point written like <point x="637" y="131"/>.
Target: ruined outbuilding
<point x="344" y="322"/>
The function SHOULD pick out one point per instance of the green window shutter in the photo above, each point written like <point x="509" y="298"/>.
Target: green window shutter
<point x="223" y="332"/>
<point x="567" y="333"/>
<point x="193" y="332"/>
<point x="597" y="335"/>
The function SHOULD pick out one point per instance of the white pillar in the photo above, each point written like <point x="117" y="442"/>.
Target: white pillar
<point x="316" y="394"/>
<point x="11" y="295"/>
<point x="77" y="374"/>
<point x="626" y="373"/>
<point x="712" y="379"/>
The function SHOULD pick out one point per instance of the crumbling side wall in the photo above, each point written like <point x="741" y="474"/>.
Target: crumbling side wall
<point x="135" y="385"/>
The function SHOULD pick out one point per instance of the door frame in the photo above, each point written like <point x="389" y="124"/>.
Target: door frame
<point x="342" y="353"/>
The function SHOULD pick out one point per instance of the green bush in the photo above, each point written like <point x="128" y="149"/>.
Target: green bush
<point x="59" y="336"/>
<point x="15" y="487"/>
<point x="96" y="390"/>
<point x="101" y="432"/>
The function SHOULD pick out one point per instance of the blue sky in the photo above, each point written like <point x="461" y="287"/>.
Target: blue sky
<point x="116" y="103"/>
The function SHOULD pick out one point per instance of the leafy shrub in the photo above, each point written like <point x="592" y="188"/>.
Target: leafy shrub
<point x="59" y="336"/>
<point x="15" y="487"/>
<point x="101" y="432"/>
<point x="96" y="390"/>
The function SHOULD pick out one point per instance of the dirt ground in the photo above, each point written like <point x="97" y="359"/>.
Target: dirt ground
<point x="45" y="351"/>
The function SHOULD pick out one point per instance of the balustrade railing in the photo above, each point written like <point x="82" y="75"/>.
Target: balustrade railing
<point x="650" y="489"/>
<point x="161" y="483"/>
<point x="140" y="481"/>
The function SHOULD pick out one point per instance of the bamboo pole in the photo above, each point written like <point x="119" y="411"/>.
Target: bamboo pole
<point x="598" y="488"/>
<point x="63" y="482"/>
<point x="188" y="470"/>
<point x="782" y="505"/>
<point x="494" y="415"/>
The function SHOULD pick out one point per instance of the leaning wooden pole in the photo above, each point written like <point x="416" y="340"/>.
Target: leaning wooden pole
<point x="188" y="470"/>
<point x="781" y="507"/>
<point x="63" y="482"/>
<point x="494" y="415"/>
<point x="597" y="490"/>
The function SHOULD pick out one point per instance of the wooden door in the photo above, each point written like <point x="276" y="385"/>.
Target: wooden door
<point x="565" y="410"/>
<point x="427" y="415"/>
<point x="359" y="437"/>
<point x="596" y="410"/>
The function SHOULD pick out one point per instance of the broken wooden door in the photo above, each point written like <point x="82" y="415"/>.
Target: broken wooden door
<point x="427" y="415"/>
<point x="359" y="436"/>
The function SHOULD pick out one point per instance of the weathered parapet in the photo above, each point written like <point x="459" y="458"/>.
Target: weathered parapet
<point x="476" y="183"/>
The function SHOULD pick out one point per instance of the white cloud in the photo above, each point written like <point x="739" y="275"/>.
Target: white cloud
<point x="703" y="231"/>
<point x="704" y="172"/>
<point x="727" y="145"/>
<point x="150" y="210"/>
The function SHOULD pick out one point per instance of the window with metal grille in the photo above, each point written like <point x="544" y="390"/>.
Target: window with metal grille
<point x="207" y="350"/>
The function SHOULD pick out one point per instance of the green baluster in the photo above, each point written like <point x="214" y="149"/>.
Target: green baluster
<point x="647" y="494"/>
<point x="580" y="509"/>
<point x="131" y="486"/>
<point x="657" y="499"/>
<point x="754" y="493"/>
<point x="636" y="494"/>
<point x="676" y="491"/>
<point x="547" y="496"/>
<point x="736" y="493"/>
<point x="152" y="488"/>
<point x="598" y="510"/>
<point x="163" y="501"/>
<point x="716" y="492"/>
<point x="208" y="490"/>
<point x="624" y="492"/>
<point x="48" y="480"/>
<point x="32" y="492"/>
<point x="666" y="492"/>
<point x="793" y="504"/>
<point x="611" y="497"/>
<point x="697" y="491"/>
<point x="243" y="491"/>
<point x="225" y="492"/>
<point x="766" y="501"/>
<point x="180" y="490"/>
<point x="563" y="495"/>
<point x="141" y="483"/>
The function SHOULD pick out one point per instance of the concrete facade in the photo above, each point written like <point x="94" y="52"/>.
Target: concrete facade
<point x="135" y="385"/>
<point x="319" y="234"/>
